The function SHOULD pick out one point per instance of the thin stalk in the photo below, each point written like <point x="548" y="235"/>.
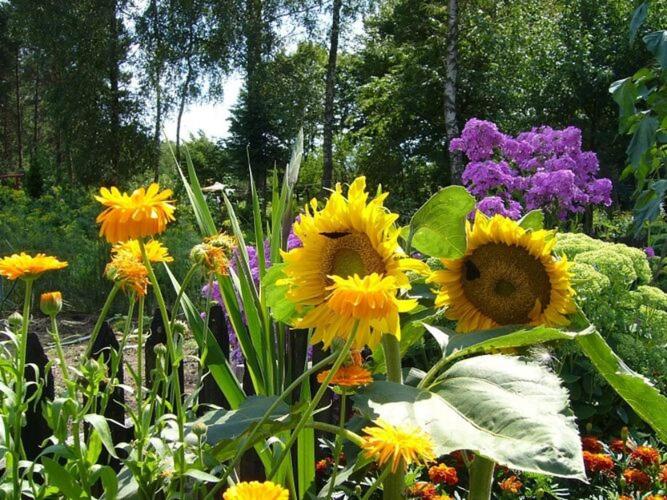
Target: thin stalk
<point x="181" y="291"/>
<point x="394" y="482"/>
<point x="140" y="373"/>
<point x="378" y="481"/>
<point x="352" y="437"/>
<point x="430" y="375"/>
<point x="338" y="447"/>
<point x="342" y="355"/>
<point x="173" y="360"/>
<point x="481" y="478"/>
<point x="20" y="388"/>
<point x="248" y="441"/>
<point x="59" y="350"/>
<point x="101" y="318"/>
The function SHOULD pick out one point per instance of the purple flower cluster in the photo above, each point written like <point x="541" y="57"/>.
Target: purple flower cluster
<point x="543" y="168"/>
<point x="212" y="291"/>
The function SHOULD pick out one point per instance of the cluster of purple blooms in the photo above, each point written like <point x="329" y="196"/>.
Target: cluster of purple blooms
<point x="212" y="291"/>
<point x="543" y="168"/>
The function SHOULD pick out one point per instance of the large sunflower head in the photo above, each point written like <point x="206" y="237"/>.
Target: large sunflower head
<point x="349" y="268"/>
<point x="145" y="212"/>
<point x="508" y="276"/>
<point x="398" y="445"/>
<point x="254" y="490"/>
<point x="28" y="267"/>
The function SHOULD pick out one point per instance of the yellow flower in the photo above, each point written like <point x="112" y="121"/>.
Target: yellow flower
<point x="51" y="303"/>
<point x="508" y="276"/>
<point x="402" y="446"/>
<point x="27" y="267"/>
<point x="348" y="376"/>
<point x="254" y="490"/>
<point x="155" y="251"/>
<point x="349" y="268"/>
<point x="214" y="253"/>
<point x="129" y="272"/>
<point x="145" y="212"/>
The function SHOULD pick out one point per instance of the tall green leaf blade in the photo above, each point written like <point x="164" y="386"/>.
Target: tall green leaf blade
<point x="642" y="140"/>
<point x="504" y="408"/>
<point x="438" y="227"/>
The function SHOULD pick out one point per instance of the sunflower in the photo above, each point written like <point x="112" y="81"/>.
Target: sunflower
<point x="507" y="276"/>
<point x="349" y="268"/>
<point x="129" y="272"/>
<point x="145" y="212"/>
<point x="155" y="251"/>
<point x="402" y="446"/>
<point x="254" y="490"/>
<point x="348" y="376"/>
<point x="27" y="267"/>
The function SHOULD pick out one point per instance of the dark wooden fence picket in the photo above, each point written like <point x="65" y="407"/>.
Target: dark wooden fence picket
<point x="158" y="336"/>
<point x="210" y="393"/>
<point x="36" y="430"/>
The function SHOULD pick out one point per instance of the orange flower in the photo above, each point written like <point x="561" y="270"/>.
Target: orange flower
<point x="591" y="443"/>
<point x="442" y="474"/>
<point x="129" y="272"/>
<point x="597" y="462"/>
<point x="423" y="490"/>
<point x="26" y="267"/>
<point x="662" y="477"/>
<point x="322" y="465"/>
<point x="618" y="445"/>
<point x="625" y="497"/>
<point x="51" y="303"/>
<point x="146" y="212"/>
<point x="655" y="497"/>
<point x="637" y="479"/>
<point x="348" y="376"/>
<point x="645" y="455"/>
<point x="511" y="485"/>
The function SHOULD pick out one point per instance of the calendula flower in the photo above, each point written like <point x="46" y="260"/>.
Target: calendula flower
<point x="129" y="272"/>
<point x="637" y="479"/>
<point x="511" y="485"/>
<point x="155" y="251"/>
<point x="51" y="303"/>
<point x="592" y="444"/>
<point x="443" y="474"/>
<point x="348" y="376"/>
<point x="507" y="276"/>
<point x="645" y="455"/>
<point x="26" y="267"/>
<point x="215" y="253"/>
<point x="349" y="268"/>
<point x="597" y="462"/>
<point x="254" y="490"/>
<point x="145" y="212"/>
<point x="399" y="445"/>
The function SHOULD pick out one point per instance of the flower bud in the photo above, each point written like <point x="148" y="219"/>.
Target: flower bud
<point x="160" y="349"/>
<point x="198" y="254"/>
<point x="624" y="433"/>
<point x="191" y="439"/>
<point x="15" y="321"/>
<point x="51" y="303"/>
<point x="589" y="428"/>
<point x="199" y="428"/>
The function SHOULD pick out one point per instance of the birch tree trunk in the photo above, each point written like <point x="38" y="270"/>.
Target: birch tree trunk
<point x="451" y="75"/>
<point x="329" y="95"/>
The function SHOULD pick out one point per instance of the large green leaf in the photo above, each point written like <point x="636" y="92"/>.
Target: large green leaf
<point x="624" y="93"/>
<point x="533" y="220"/>
<point x="503" y="408"/>
<point x="638" y="392"/>
<point x="638" y="18"/>
<point x="282" y="309"/>
<point x="642" y="139"/>
<point x="438" y="227"/>
<point x="656" y="43"/>
<point x="649" y="204"/>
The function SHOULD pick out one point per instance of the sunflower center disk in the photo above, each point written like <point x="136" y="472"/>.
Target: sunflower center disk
<point x="349" y="254"/>
<point x="505" y="282"/>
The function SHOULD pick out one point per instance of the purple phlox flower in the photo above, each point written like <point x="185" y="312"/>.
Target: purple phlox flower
<point x="478" y="140"/>
<point x="492" y="205"/>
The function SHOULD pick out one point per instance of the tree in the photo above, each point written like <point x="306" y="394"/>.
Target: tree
<point x="330" y="86"/>
<point x="451" y="75"/>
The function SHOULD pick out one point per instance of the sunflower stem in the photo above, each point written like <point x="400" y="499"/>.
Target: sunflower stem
<point x="394" y="481"/>
<point x="481" y="478"/>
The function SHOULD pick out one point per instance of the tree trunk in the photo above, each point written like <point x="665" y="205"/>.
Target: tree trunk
<point x="329" y="95"/>
<point x="19" y="128"/>
<point x="184" y="96"/>
<point x="451" y="74"/>
<point x="254" y="35"/>
<point x="157" y="81"/>
<point x="114" y="77"/>
<point x="35" y="130"/>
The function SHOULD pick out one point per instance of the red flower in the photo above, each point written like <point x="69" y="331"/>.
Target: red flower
<point x="645" y="455"/>
<point x="322" y="465"/>
<point x="442" y="474"/>
<point x="511" y="485"/>
<point x="637" y="478"/>
<point x="423" y="490"/>
<point x="618" y="445"/>
<point x="592" y="444"/>
<point x="597" y="462"/>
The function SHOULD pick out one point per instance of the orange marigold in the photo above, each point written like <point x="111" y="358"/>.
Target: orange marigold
<point x="511" y="485"/>
<point x="348" y="376"/>
<point x="322" y="465"/>
<point x="655" y="497"/>
<point x="597" y="462"/>
<point x="662" y="477"/>
<point x="636" y="478"/>
<point x="423" y="490"/>
<point x="442" y="474"/>
<point x="26" y="267"/>
<point x="591" y="443"/>
<point x="618" y="445"/>
<point x="645" y="455"/>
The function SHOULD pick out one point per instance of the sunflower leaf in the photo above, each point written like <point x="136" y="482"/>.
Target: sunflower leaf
<point x="532" y="220"/>
<point x="438" y="228"/>
<point x="503" y="408"/>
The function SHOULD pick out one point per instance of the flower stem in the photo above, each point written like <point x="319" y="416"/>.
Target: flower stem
<point x="481" y="478"/>
<point x="18" y="411"/>
<point x="339" y="446"/>
<point x="59" y="350"/>
<point x="101" y="318"/>
<point x="394" y="482"/>
<point x="140" y="373"/>
<point x="173" y="362"/>
<point x="181" y="291"/>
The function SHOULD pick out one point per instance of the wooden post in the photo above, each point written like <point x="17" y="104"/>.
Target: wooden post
<point x="210" y="393"/>
<point x="36" y="430"/>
